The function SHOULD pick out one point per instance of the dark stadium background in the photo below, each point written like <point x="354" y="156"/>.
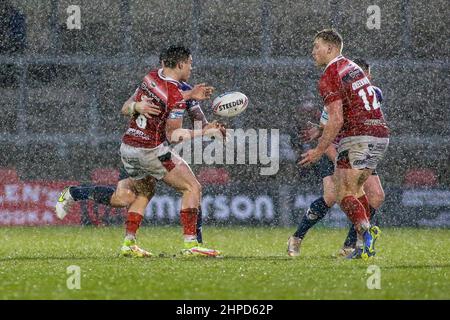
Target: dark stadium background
<point x="61" y="92"/>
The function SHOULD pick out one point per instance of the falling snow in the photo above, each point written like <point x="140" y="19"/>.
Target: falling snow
<point x="66" y="68"/>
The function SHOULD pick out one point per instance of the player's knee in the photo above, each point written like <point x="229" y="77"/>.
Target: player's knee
<point x="376" y="199"/>
<point x="341" y="195"/>
<point x="150" y="193"/>
<point x="196" y="187"/>
<point x="329" y="195"/>
<point x="330" y="198"/>
<point x="192" y="187"/>
<point x="126" y="197"/>
<point x="381" y="196"/>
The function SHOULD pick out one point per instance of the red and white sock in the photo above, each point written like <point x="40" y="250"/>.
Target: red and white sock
<point x="355" y="211"/>
<point x="188" y="219"/>
<point x="132" y="224"/>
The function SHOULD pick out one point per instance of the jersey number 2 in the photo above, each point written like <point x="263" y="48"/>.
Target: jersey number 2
<point x="372" y="93"/>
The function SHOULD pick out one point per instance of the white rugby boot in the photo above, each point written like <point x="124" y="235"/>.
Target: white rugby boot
<point x="65" y="202"/>
<point x="293" y="248"/>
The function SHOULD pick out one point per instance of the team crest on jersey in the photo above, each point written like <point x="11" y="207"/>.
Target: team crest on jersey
<point x="150" y="94"/>
<point x="355" y="73"/>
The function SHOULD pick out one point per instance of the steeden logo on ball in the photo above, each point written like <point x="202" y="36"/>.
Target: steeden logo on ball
<point x="230" y="104"/>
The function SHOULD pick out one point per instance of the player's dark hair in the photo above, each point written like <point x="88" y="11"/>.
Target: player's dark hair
<point x="173" y="55"/>
<point x="162" y="55"/>
<point x="362" y="64"/>
<point x="331" y="36"/>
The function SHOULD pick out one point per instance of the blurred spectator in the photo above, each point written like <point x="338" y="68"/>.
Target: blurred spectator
<point x="12" y="29"/>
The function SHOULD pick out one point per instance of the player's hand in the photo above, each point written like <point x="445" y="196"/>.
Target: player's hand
<point x="310" y="157"/>
<point x="214" y="129"/>
<point x="221" y="126"/>
<point x="200" y="92"/>
<point x="147" y="108"/>
<point x="311" y="132"/>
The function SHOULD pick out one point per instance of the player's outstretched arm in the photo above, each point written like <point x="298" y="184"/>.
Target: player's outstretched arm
<point x="199" y="92"/>
<point x="175" y="133"/>
<point x="196" y="114"/>
<point x="330" y="132"/>
<point x="311" y="132"/>
<point x="333" y="126"/>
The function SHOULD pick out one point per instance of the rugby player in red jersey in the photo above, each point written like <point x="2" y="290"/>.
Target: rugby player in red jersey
<point x="124" y="193"/>
<point x="325" y="168"/>
<point x="145" y="148"/>
<point x="355" y="118"/>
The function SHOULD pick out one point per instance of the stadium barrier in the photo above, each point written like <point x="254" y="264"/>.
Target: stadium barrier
<point x="32" y="204"/>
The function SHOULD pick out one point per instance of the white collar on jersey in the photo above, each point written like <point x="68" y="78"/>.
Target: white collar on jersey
<point x="162" y="76"/>
<point x="339" y="57"/>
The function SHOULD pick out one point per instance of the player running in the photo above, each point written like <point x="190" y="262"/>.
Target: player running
<point x="124" y="193"/>
<point x="320" y="207"/>
<point x="145" y="151"/>
<point x="356" y="118"/>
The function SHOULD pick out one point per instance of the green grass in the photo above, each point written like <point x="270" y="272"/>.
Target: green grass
<point x="414" y="263"/>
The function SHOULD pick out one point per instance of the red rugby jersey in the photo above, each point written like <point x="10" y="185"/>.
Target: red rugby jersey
<point x="344" y="80"/>
<point x="163" y="91"/>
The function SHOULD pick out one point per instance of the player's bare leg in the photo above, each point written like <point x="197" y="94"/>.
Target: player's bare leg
<point x="375" y="194"/>
<point x="374" y="191"/>
<point x="120" y="197"/>
<point x="127" y="189"/>
<point x="354" y="202"/>
<point x="347" y="248"/>
<point x="329" y="191"/>
<point x="123" y="196"/>
<point x="143" y="189"/>
<point x="183" y="180"/>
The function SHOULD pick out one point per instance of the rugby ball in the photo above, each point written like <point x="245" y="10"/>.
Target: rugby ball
<point x="230" y="104"/>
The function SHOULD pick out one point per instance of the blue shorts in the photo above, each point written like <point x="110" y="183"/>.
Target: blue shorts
<point x="123" y="174"/>
<point x="325" y="167"/>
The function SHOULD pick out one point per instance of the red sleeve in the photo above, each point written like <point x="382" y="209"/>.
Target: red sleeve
<point x="176" y="104"/>
<point x="137" y="95"/>
<point x="176" y="100"/>
<point x="330" y="86"/>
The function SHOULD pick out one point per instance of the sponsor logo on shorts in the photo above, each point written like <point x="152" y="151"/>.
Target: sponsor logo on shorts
<point x="359" y="162"/>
